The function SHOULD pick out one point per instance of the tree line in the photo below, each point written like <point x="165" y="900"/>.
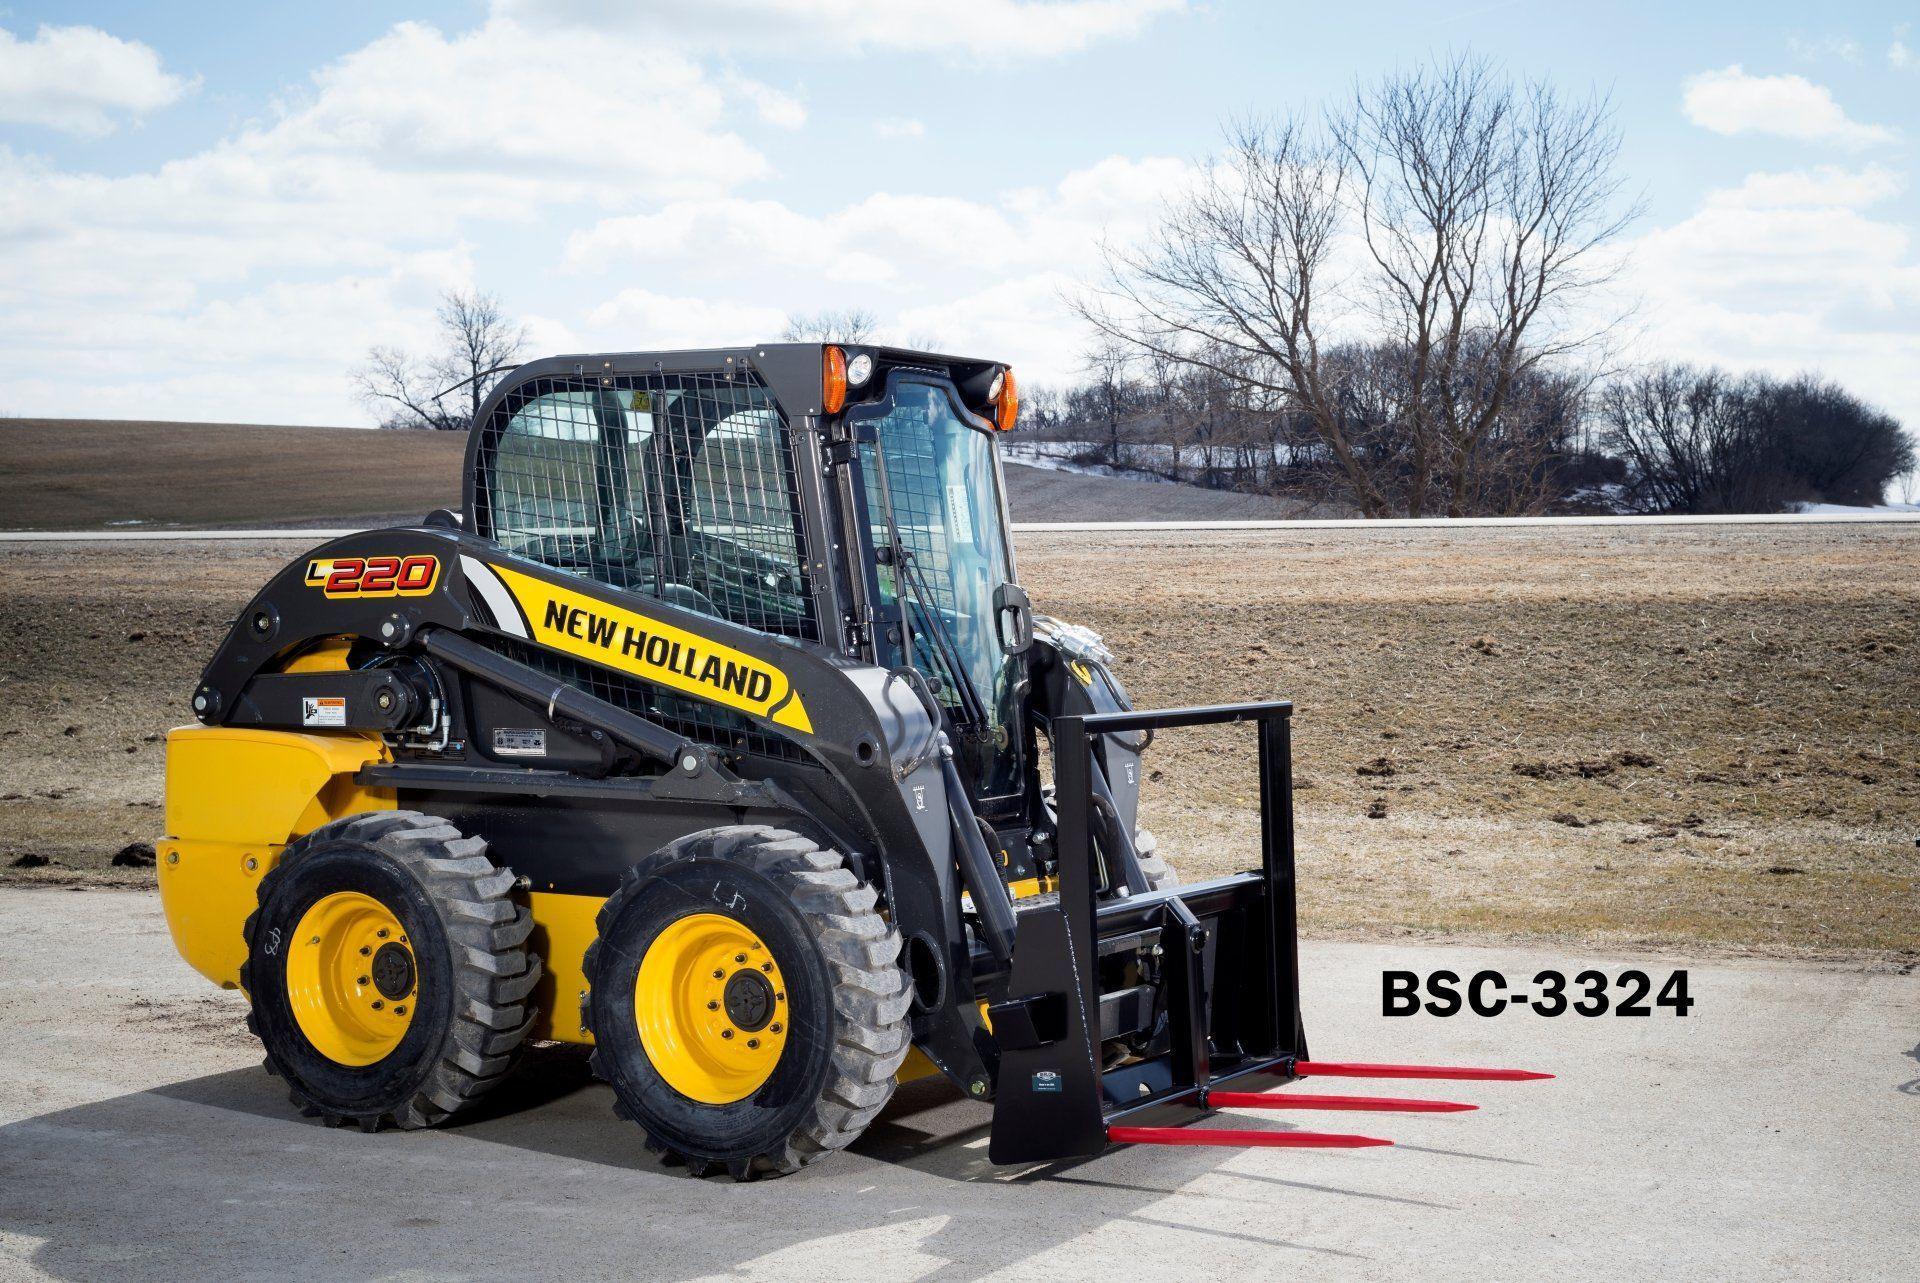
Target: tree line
<point x="1400" y="304"/>
<point x="1666" y="438"/>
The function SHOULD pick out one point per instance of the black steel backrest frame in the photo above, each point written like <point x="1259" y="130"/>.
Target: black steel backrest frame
<point x="1049" y="1102"/>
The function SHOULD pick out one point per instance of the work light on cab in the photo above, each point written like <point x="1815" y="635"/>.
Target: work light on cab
<point x="859" y="369"/>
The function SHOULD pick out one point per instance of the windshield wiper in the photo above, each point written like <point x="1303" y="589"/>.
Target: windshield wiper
<point x="973" y="706"/>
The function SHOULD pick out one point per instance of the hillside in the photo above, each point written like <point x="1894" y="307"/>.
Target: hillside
<point x="83" y="474"/>
<point x="78" y="474"/>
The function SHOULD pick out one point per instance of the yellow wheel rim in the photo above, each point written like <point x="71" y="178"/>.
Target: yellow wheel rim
<point x="351" y="978"/>
<point x="712" y="1008"/>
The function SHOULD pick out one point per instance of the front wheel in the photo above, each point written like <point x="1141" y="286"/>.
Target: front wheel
<point x="746" y="1001"/>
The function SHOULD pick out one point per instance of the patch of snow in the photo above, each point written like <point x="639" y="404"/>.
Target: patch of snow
<point x="1841" y="509"/>
<point x="1053" y="457"/>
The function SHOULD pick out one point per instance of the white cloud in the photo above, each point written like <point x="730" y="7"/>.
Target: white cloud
<point x="983" y="275"/>
<point x="781" y="110"/>
<point x="1901" y="57"/>
<point x="1824" y="185"/>
<point x="890" y="240"/>
<point x="82" y="80"/>
<point x="284" y="250"/>
<point x="1788" y="272"/>
<point x="996" y="29"/>
<point x="638" y="319"/>
<point x="1845" y="48"/>
<point x="1730" y="101"/>
<point x="899" y="127"/>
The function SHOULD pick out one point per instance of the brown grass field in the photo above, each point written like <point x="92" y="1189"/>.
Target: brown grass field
<point x="1703" y="737"/>
<point x="93" y="474"/>
<point x="83" y="474"/>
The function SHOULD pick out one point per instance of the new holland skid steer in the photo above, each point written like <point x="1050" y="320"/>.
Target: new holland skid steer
<point x="709" y="735"/>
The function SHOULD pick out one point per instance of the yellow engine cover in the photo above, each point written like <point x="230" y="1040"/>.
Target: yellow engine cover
<point x="235" y="798"/>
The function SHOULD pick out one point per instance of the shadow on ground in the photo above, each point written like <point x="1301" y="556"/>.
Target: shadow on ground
<point x="218" y="1176"/>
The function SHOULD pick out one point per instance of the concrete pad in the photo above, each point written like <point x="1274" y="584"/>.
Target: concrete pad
<point x="1773" y="1131"/>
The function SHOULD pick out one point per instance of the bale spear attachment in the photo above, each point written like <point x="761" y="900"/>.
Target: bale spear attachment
<point x="1201" y="983"/>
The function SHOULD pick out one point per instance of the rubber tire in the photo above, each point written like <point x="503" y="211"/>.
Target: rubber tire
<point x="838" y="957"/>
<point x="475" y="973"/>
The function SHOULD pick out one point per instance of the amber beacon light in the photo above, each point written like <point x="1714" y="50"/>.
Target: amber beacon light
<point x="833" y="380"/>
<point x="1005" y="395"/>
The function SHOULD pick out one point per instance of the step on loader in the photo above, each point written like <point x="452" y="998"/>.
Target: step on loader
<point x="709" y="735"/>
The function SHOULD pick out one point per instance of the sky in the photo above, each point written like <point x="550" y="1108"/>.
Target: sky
<point x="212" y="211"/>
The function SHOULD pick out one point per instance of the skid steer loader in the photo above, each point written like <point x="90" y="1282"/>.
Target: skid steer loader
<point x="709" y="735"/>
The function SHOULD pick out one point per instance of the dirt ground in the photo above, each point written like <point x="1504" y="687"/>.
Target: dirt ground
<point x="1702" y="737"/>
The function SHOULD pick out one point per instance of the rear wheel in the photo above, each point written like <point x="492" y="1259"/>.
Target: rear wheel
<point x="747" y="1001"/>
<point x="388" y="971"/>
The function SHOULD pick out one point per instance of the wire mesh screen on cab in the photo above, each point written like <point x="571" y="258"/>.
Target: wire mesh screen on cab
<point x="676" y="485"/>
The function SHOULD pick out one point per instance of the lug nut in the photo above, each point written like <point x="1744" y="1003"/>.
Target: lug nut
<point x="740" y="958"/>
<point x="713" y="1004"/>
<point x="382" y="933"/>
<point x="774" y="1027"/>
<point x="779" y="997"/>
<point x="399" y="1011"/>
<point x="766" y="966"/>
<point x="363" y="980"/>
<point x="718" y="974"/>
<point x="753" y="1042"/>
<point x="366" y="951"/>
<point x="726" y="1033"/>
<point x="379" y="1005"/>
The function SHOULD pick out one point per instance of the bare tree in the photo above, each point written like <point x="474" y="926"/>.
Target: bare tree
<point x="1452" y="221"/>
<point x="1908" y="485"/>
<point x="1106" y="367"/>
<point x="845" y="325"/>
<point x="481" y="342"/>
<point x="443" y="391"/>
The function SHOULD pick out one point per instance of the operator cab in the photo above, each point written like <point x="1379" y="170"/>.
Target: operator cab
<point x="847" y="497"/>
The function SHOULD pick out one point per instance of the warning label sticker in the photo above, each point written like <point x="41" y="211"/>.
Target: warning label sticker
<point x="323" y="710"/>
<point x="515" y="742"/>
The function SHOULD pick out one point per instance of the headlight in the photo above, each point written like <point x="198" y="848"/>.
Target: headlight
<point x="994" y="388"/>
<point x="859" y="369"/>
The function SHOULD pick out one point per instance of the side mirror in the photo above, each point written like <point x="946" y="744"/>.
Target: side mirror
<point x="1013" y="618"/>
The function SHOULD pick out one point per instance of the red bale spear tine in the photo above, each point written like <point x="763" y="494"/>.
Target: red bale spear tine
<point x="1360" y="1104"/>
<point x="1227" y="1139"/>
<point x="1331" y="1069"/>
